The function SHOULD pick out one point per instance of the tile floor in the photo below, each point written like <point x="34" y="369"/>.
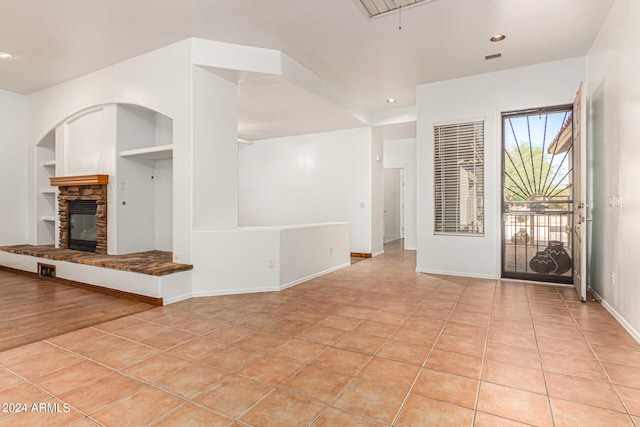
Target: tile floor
<point x="371" y="345"/>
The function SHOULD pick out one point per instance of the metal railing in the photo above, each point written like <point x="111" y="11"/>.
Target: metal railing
<point x="531" y="228"/>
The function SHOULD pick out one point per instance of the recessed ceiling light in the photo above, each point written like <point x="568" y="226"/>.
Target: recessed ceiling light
<point x="391" y="100"/>
<point x="6" y="55"/>
<point x="497" y="38"/>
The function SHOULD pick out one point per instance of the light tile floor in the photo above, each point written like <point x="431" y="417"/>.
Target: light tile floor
<point x="373" y="344"/>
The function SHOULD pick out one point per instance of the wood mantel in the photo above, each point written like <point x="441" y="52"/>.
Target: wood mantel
<point x="67" y="181"/>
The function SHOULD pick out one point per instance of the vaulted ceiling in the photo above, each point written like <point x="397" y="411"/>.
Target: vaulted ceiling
<point x="369" y="60"/>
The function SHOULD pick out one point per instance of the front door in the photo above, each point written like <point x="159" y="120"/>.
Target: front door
<point x="579" y="195"/>
<point x="538" y="192"/>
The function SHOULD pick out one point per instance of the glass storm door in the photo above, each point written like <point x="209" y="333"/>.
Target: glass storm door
<point x="538" y="240"/>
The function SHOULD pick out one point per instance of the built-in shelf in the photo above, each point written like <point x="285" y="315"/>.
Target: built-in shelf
<point x="160" y="152"/>
<point x="45" y="209"/>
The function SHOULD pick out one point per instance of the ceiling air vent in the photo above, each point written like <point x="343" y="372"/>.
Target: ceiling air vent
<point x="376" y="8"/>
<point x="494" y="56"/>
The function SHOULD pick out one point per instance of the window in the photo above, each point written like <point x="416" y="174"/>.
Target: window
<point x="459" y="178"/>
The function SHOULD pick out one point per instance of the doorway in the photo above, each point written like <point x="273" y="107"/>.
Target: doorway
<point x="538" y="194"/>
<point x="393" y="204"/>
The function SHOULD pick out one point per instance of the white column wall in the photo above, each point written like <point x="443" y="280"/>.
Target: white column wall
<point x="377" y="192"/>
<point x="482" y="96"/>
<point x="398" y="153"/>
<point x="215" y="152"/>
<point x="305" y="179"/>
<point x="613" y="93"/>
<point x="14" y="215"/>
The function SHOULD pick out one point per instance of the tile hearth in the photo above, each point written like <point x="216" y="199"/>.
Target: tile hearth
<point x="154" y="263"/>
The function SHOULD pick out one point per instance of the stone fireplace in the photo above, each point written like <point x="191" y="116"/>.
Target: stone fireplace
<point x="86" y="188"/>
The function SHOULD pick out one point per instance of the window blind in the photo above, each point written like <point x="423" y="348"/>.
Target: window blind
<point x="459" y="178"/>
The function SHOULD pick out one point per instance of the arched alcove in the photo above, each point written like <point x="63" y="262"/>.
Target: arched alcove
<point x="131" y="144"/>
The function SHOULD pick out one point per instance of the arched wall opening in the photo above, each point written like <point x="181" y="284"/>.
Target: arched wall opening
<point x="131" y="144"/>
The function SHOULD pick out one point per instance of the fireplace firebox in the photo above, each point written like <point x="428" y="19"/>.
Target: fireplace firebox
<point x="82" y="225"/>
<point x="85" y="188"/>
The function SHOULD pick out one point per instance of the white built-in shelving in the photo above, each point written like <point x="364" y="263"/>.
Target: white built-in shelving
<point x="159" y="152"/>
<point x="46" y="199"/>
<point x="143" y="181"/>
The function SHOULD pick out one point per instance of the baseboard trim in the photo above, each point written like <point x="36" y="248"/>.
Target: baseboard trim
<point x="617" y="316"/>
<point x="313" y="276"/>
<point x="233" y="292"/>
<point x="89" y="287"/>
<point x="179" y="298"/>
<point x="360" y="255"/>
<point x="266" y="288"/>
<point x="457" y="273"/>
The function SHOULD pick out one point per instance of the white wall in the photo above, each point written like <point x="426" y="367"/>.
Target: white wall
<point x="377" y="192"/>
<point x="259" y="259"/>
<point x="235" y="261"/>
<point x="483" y="96"/>
<point x="614" y="155"/>
<point x="163" y="178"/>
<point x="399" y="153"/>
<point x="135" y="185"/>
<point x="323" y="177"/>
<point x="13" y="164"/>
<point x="312" y="250"/>
<point x="90" y="143"/>
<point x="215" y="152"/>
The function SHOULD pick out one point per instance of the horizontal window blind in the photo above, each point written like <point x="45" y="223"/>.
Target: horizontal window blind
<point x="459" y="178"/>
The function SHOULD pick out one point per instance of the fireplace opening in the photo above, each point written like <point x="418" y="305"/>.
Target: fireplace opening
<point x="82" y="225"/>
